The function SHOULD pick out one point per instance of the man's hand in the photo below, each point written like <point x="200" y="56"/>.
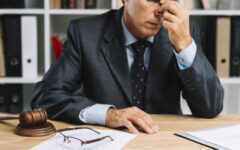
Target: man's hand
<point x="129" y="117"/>
<point x="176" y="21"/>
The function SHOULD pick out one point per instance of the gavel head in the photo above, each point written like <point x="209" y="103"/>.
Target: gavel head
<point x="33" y="118"/>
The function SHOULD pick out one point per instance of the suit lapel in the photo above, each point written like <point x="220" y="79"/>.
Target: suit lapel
<point x="114" y="52"/>
<point x="161" y="55"/>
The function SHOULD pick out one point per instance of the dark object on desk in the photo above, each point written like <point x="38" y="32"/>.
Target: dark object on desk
<point x="32" y="123"/>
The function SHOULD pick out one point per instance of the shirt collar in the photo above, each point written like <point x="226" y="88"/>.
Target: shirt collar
<point x="129" y="38"/>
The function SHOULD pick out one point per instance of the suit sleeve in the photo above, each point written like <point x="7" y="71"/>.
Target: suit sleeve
<point x="55" y="92"/>
<point x="201" y="86"/>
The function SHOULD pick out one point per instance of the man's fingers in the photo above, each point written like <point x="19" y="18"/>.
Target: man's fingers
<point x="131" y="127"/>
<point x="171" y="7"/>
<point x="130" y="117"/>
<point x="167" y="25"/>
<point x="142" y="124"/>
<point x="150" y="123"/>
<point x="169" y="17"/>
<point x="147" y="119"/>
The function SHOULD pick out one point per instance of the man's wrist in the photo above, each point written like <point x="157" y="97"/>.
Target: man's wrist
<point x="183" y="45"/>
<point x="95" y="114"/>
<point x="186" y="57"/>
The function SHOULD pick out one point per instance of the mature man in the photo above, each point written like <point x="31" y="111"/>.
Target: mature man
<point x="131" y="62"/>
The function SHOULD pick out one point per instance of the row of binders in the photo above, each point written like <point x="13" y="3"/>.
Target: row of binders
<point x="18" y="46"/>
<point x="222" y="46"/>
<point x="11" y="98"/>
<point x="73" y="4"/>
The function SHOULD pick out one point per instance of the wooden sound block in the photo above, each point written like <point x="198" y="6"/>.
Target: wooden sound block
<point x="40" y="130"/>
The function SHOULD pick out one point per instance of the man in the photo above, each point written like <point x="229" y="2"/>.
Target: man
<point x="131" y="62"/>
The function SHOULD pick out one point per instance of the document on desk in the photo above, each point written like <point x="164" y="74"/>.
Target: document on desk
<point x="223" y="138"/>
<point x="57" y="142"/>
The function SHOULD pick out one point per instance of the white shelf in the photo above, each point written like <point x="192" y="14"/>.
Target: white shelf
<point x="77" y="11"/>
<point x="232" y="80"/>
<point x="215" y="12"/>
<point x="22" y="11"/>
<point x="4" y="80"/>
<point x="18" y="80"/>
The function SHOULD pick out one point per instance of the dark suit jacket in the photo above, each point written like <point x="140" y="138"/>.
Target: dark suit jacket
<point x="95" y="56"/>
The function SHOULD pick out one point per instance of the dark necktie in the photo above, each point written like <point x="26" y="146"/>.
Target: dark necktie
<point x="139" y="73"/>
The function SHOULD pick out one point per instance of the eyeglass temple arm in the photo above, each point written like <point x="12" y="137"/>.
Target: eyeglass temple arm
<point x="96" y="140"/>
<point x="67" y="129"/>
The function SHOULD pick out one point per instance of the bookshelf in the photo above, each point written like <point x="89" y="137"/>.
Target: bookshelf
<point x="46" y="18"/>
<point x="55" y="21"/>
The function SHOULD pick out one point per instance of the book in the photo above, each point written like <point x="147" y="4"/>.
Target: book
<point x="64" y="3"/>
<point x="29" y="46"/>
<point x="223" y="40"/>
<point x="90" y="4"/>
<point x="3" y="100"/>
<point x="72" y="4"/>
<point x="224" y="137"/>
<point x="211" y="23"/>
<point x="228" y="4"/>
<point x="188" y="4"/>
<point x="52" y="4"/>
<point x="12" y="45"/>
<point x="12" y="3"/>
<point x="2" y="57"/>
<point x="206" y="4"/>
<point x="33" y="4"/>
<point x="14" y="97"/>
<point x="235" y="47"/>
<point x="57" y="4"/>
<point x="191" y="4"/>
<point x="80" y="3"/>
<point x="208" y="37"/>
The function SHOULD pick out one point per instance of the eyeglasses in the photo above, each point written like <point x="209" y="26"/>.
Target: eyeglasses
<point x="69" y="139"/>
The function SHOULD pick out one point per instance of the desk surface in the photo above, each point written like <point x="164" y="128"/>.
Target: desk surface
<point x="164" y="139"/>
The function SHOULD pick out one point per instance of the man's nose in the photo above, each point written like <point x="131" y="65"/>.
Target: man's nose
<point x="158" y="11"/>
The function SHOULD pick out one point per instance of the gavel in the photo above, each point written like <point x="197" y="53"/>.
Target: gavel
<point x="29" y="118"/>
<point x="31" y="123"/>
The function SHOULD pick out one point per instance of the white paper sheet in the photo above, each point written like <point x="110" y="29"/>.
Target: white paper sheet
<point x="56" y="143"/>
<point x="224" y="138"/>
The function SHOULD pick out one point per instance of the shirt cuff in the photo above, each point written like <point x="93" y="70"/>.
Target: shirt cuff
<point x="95" y="114"/>
<point x="186" y="57"/>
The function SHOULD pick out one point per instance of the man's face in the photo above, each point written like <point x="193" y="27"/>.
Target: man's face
<point x="142" y="17"/>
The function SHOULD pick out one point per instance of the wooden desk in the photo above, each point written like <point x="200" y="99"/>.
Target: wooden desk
<point x="164" y="139"/>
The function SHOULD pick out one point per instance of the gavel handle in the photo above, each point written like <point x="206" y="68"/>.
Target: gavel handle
<point x="7" y="116"/>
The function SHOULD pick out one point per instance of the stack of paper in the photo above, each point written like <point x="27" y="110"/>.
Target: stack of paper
<point x="224" y="138"/>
